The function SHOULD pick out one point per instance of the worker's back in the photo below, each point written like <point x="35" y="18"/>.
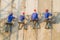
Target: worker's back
<point x="34" y="16"/>
<point x="22" y="17"/>
<point x="10" y="18"/>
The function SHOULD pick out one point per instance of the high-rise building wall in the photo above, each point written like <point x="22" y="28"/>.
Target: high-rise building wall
<point x="28" y="6"/>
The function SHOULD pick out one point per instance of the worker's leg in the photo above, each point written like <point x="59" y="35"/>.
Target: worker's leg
<point x="34" y="23"/>
<point x="25" y="26"/>
<point x="37" y="24"/>
<point x="7" y="27"/>
<point x="10" y="28"/>
<point x="49" y="25"/>
<point x="21" y="24"/>
<point x="46" y="23"/>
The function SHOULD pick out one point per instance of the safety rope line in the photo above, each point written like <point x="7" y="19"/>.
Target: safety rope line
<point x="6" y="6"/>
<point x="12" y="5"/>
<point x="5" y="1"/>
<point x="51" y="33"/>
<point x="24" y="2"/>
<point x="36" y="31"/>
<point x="18" y="10"/>
<point x="9" y="36"/>
<point x="52" y="13"/>
<point x="11" y="11"/>
<point x="0" y="8"/>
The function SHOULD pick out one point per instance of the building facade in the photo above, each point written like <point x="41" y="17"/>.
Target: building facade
<point x="17" y="6"/>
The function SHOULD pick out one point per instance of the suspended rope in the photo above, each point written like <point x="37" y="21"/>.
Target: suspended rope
<point x="18" y="4"/>
<point x="0" y="8"/>
<point x="9" y="36"/>
<point x="51" y="12"/>
<point x="8" y="4"/>
<point x="12" y="5"/>
<point x="5" y="1"/>
<point x="24" y="4"/>
<point x="12" y="12"/>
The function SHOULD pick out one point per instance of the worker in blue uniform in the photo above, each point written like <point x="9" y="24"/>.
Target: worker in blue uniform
<point x="21" y="20"/>
<point x="10" y="17"/>
<point x="22" y="17"/>
<point x="48" y="17"/>
<point x="9" y="22"/>
<point x="34" y="18"/>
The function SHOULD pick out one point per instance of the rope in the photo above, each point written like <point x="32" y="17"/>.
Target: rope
<point x="0" y="7"/>
<point x="6" y="6"/>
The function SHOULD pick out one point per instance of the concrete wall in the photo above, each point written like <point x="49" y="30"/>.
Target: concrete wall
<point x="42" y="33"/>
<point x="43" y="5"/>
<point x="56" y="6"/>
<point x="31" y="5"/>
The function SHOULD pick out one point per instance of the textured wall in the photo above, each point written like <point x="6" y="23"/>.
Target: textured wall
<point x="42" y="33"/>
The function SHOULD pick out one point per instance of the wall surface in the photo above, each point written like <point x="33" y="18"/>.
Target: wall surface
<point x="33" y="34"/>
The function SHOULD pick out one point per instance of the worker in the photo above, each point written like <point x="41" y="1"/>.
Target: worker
<point x="48" y="17"/>
<point x="9" y="22"/>
<point x="34" y="18"/>
<point x="21" y="20"/>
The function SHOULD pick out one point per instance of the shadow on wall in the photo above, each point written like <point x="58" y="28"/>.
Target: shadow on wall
<point x="57" y="18"/>
<point x="42" y="17"/>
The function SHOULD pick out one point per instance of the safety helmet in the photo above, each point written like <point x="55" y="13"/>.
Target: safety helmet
<point x="11" y="13"/>
<point x="47" y="10"/>
<point x="35" y="10"/>
<point x="22" y="13"/>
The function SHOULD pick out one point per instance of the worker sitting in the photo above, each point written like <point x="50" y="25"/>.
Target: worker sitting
<point x="9" y="23"/>
<point x="22" y="21"/>
<point x="48" y="17"/>
<point x="34" y="19"/>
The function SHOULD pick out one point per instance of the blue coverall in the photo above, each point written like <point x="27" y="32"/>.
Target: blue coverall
<point x="34" y="16"/>
<point x="47" y="14"/>
<point x="22" y="17"/>
<point x="10" y="18"/>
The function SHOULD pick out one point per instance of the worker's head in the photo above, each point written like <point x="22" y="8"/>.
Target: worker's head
<point x="11" y="13"/>
<point x="23" y="13"/>
<point x="34" y="10"/>
<point x="46" y="10"/>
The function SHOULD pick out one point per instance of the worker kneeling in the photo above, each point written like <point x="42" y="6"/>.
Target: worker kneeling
<point x="48" y="19"/>
<point x="22" y="21"/>
<point x="9" y="23"/>
<point x="34" y="19"/>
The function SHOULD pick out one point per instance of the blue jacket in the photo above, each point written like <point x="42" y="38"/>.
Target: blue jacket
<point x="10" y="18"/>
<point x="47" y="14"/>
<point x="34" y="16"/>
<point x="22" y="17"/>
